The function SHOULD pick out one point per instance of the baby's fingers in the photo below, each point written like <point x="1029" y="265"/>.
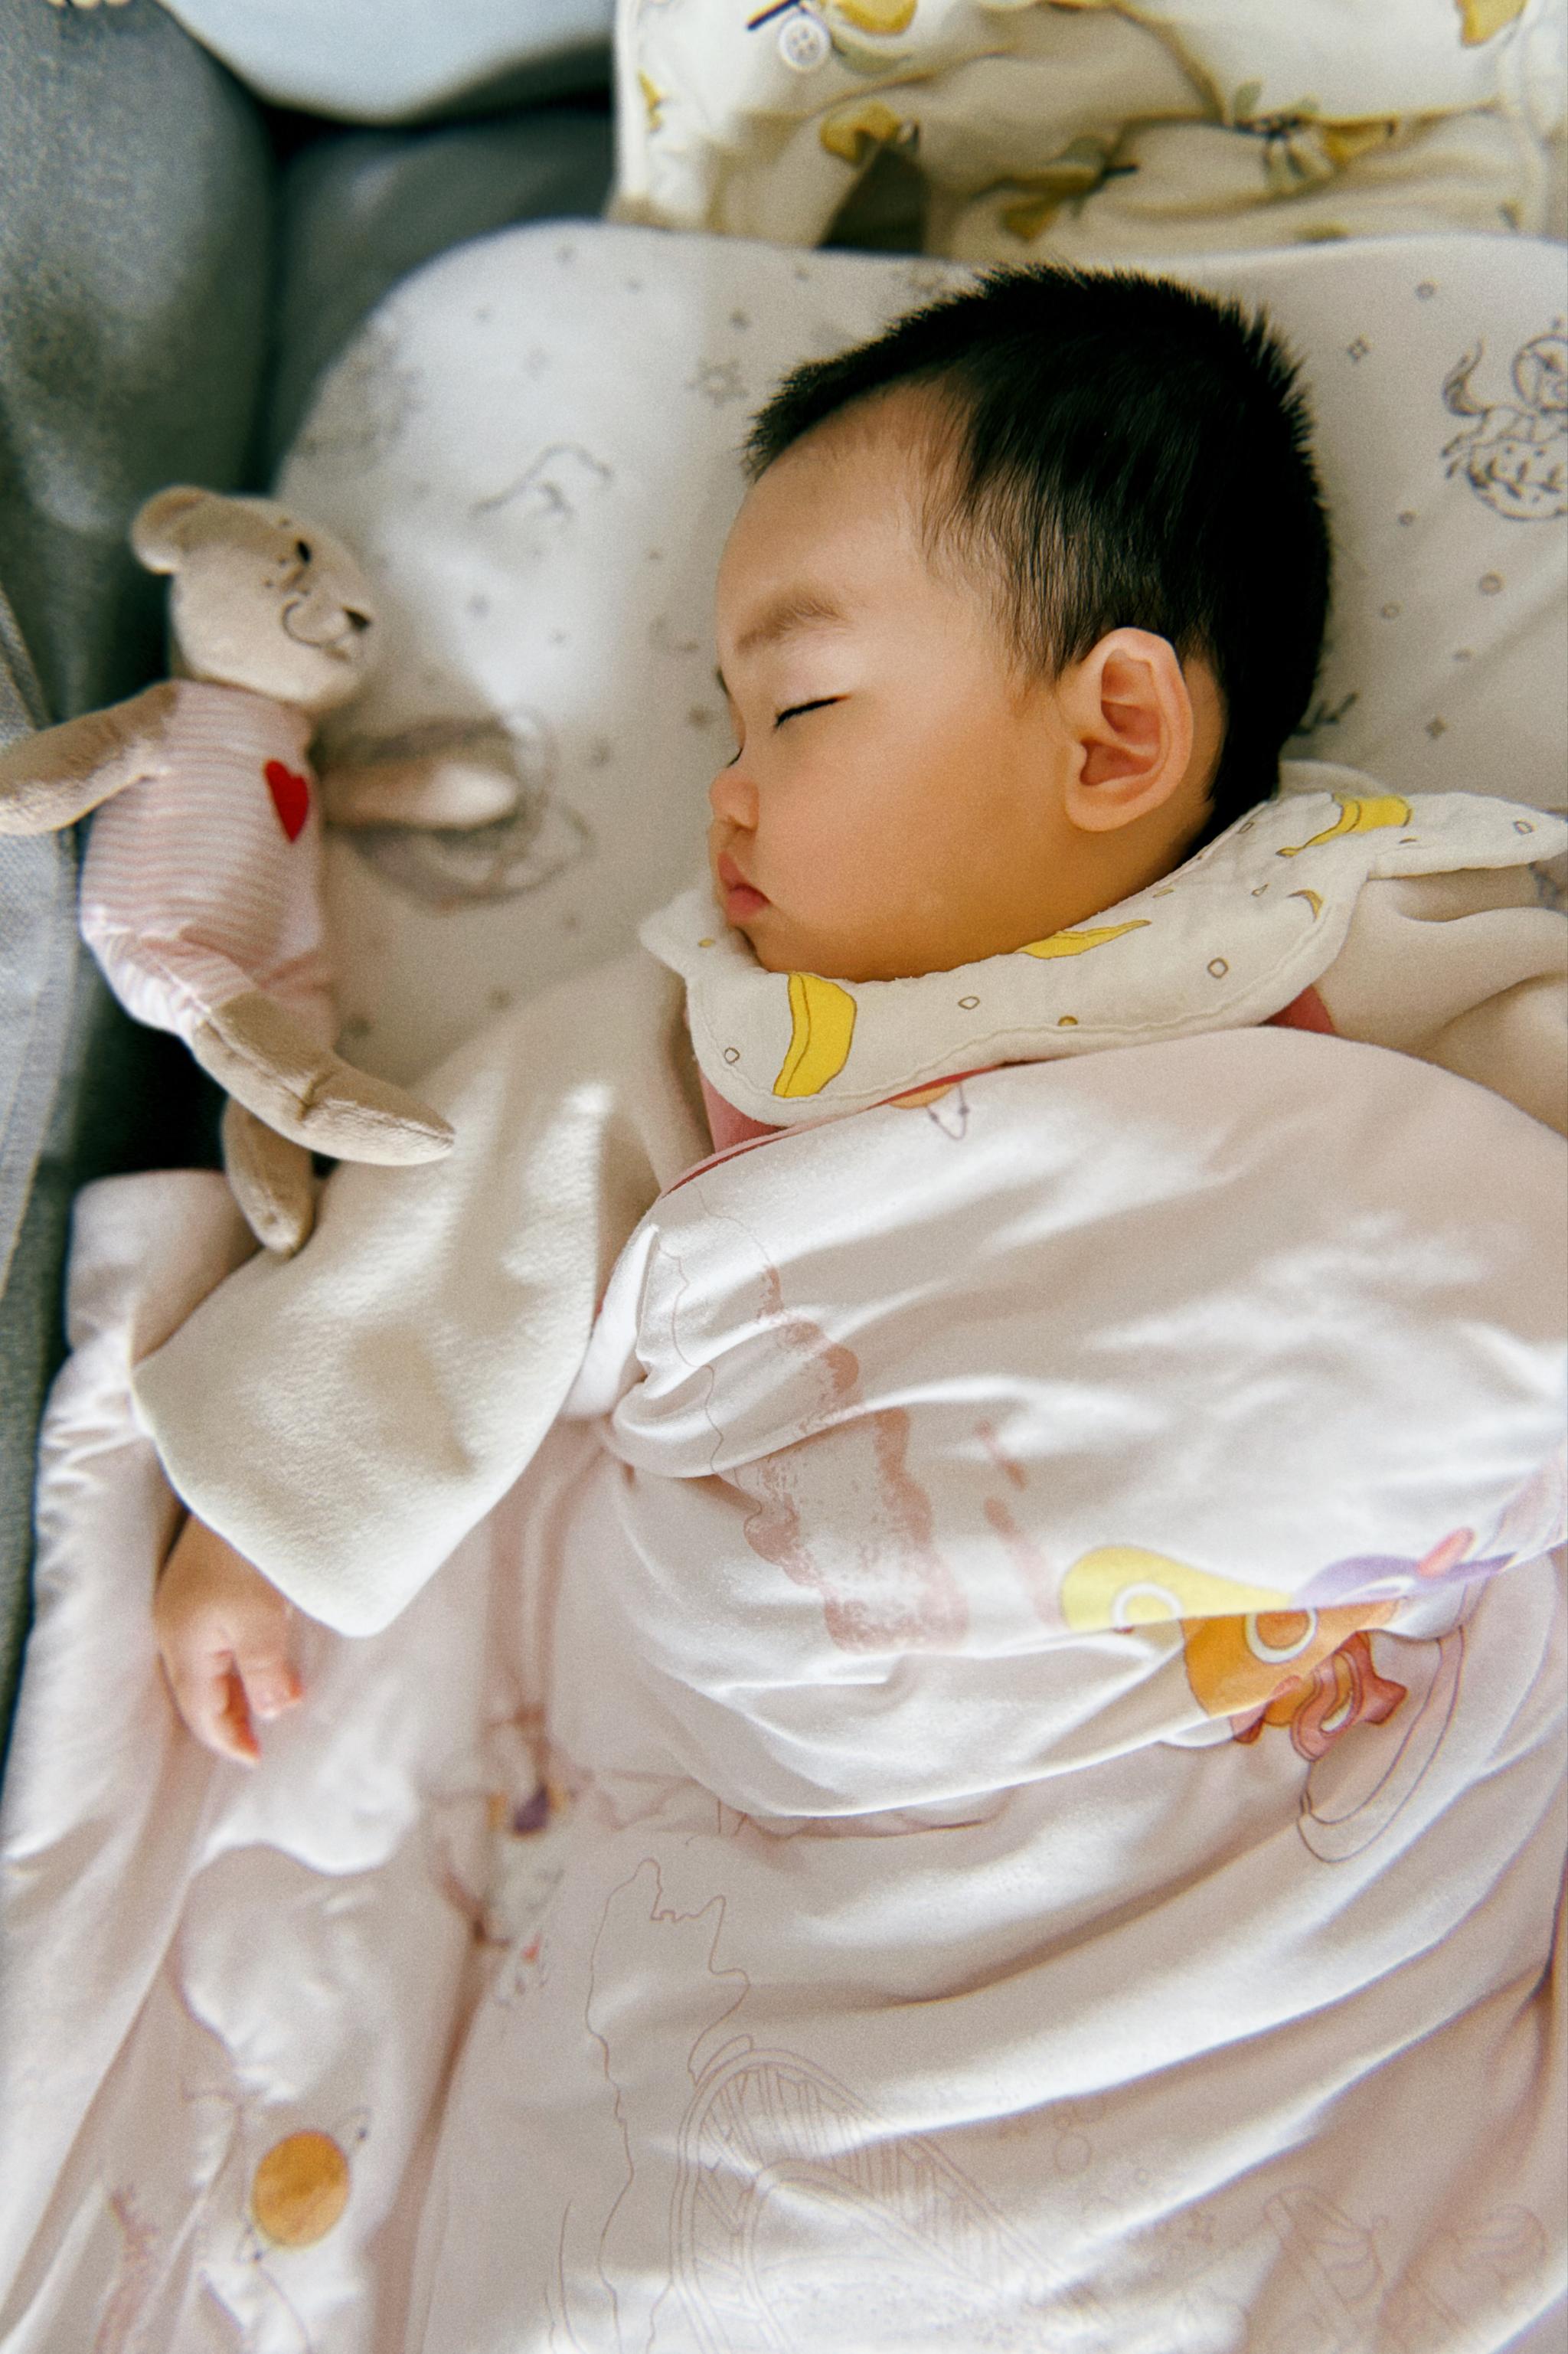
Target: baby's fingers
<point x="224" y="1633"/>
<point x="232" y="1733"/>
<point x="211" y="1699"/>
<point x="221" y="1693"/>
<point x="266" y="1674"/>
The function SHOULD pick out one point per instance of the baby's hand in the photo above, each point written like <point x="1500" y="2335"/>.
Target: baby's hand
<point x="223" y="1635"/>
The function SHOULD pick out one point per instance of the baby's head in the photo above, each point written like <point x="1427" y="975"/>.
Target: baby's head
<point x="1024" y="600"/>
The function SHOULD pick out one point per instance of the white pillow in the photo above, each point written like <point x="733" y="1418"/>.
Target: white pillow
<point x="533" y="444"/>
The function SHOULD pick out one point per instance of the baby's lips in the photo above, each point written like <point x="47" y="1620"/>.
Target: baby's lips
<point x="741" y="897"/>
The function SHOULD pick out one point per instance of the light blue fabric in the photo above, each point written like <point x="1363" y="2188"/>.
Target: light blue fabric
<point x="399" y="60"/>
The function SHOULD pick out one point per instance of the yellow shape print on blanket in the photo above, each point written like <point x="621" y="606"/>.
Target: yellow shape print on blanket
<point x="1066" y="944"/>
<point x="1265" y="1660"/>
<point x="821" y="1020"/>
<point x="299" y="2190"/>
<point x="1123" y="1586"/>
<point x="1358" y="813"/>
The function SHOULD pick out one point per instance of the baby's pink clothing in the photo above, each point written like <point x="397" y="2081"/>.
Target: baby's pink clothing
<point x="730" y="1129"/>
<point x="205" y="880"/>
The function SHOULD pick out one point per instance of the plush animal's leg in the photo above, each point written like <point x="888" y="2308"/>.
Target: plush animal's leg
<point x="457" y="789"/>
<point x="50" y="779"/>
<point x="270" y="1178"/>
<point x="269" y="1061"/>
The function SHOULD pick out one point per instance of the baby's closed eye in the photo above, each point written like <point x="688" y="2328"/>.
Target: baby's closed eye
<point x="795" y="709"/>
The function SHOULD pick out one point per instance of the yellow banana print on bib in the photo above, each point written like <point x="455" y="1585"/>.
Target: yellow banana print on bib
<point x="1358" y="813"/>
<point x="1066" y="944"/>
<point x="821" y="1018"/>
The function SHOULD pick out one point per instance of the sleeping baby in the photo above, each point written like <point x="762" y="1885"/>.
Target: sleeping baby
<point x="1022" y="603"/>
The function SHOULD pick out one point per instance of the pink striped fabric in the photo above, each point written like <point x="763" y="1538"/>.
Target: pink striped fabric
<point x="205" y="880"/>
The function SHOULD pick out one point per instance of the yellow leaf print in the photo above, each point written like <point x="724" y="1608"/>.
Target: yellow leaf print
<point x="1030" y="219"/>
<point x="1066" y="944"/>
<point x="1482" y="18"/>
<point x="876" y="16"/>
<point x="821" y="1017"/>
<point x="1343" y="141"/>
<point x="851" y="135"/>
<point x="1078" y="170"/>
<point x="1358" y="813"/>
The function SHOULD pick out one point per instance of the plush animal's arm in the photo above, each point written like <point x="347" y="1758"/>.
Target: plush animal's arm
<point x="461" y="790"/>
<point x="50" y="779"/>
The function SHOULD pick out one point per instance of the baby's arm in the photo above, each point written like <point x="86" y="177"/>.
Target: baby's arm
<point x="223" y="1636"/>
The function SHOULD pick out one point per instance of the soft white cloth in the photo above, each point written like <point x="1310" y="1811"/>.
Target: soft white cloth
<point x="346" y="1416"/>
<point x="374" y="1408"/>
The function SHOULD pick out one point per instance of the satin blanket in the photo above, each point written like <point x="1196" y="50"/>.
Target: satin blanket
<point x="997" y="1782"/>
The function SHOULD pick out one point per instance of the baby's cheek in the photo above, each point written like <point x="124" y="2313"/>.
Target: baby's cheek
<point x="816" y="848"/>
<point x="855" y="861"/>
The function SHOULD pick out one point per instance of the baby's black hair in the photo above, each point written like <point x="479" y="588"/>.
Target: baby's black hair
<point x="1127" y="453"/>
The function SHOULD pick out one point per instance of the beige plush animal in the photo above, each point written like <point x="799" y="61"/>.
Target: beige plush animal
<point x="201" y="885"/>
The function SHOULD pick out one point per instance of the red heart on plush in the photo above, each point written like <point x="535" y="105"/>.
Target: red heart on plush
<point x="291" y="796"/>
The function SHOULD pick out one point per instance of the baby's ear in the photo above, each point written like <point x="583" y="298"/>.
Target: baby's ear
<point x="1129" y="704"/>
<point x="160" y="533"/>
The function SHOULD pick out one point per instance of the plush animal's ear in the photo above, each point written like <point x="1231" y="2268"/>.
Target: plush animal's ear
<point x="159" y="535"/>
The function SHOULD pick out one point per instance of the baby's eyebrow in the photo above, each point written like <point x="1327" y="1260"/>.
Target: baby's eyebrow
<point x="796" y="609"/>
<point x="783" y="616"/>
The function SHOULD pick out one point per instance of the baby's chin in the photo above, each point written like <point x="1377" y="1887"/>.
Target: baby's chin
<point x="774" y="960"/>
<point x="768" y="954"/>
<point x="776" y="954"/>
<point x="776" y="946"/>
<point x="780" y="946"/>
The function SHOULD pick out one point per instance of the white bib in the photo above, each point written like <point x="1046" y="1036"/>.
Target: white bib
<point x="1226" y="941"/>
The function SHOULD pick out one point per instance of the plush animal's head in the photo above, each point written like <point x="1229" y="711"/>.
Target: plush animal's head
<point x="258" y="597"/>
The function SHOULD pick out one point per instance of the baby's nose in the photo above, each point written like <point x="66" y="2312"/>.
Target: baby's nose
<point x="733" y="797"/>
